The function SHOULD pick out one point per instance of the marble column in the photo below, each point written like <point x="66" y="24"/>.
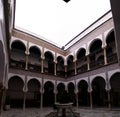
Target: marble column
<point x="88" y="62"/>
<point x="105" y="56"/>
<point x="75" y="67"/>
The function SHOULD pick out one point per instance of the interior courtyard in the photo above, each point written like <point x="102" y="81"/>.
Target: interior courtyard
<point x="35" y="74"/>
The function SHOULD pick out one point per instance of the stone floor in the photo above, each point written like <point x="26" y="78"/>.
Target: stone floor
<point x="34" y="112"/>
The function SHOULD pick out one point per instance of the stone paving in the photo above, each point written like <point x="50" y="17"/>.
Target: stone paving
<point x="34" y="112"/>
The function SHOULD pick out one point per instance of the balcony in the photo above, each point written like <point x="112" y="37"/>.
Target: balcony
<point x="82" y="68"/>
<point x="112" y="58"/>
<point x="17" y="64"/>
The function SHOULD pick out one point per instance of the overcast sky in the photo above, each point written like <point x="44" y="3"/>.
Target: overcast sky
<point x="56" y="20"/>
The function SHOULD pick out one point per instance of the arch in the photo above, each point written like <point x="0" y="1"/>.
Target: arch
<point x="60" y="66"/>
<point x="83" y="96"/>
<point x="69" y="58"/>
<point x="60" y="59"/>
<point x="99" y="95"/>
<point x="49" y="55"/>
<point x="48" y="97"/>
<point x="34" y="59"/>
<point x="60" y="87"/>
<point x="15" y="91"/>
<point x="49" y="62"/>
<point x="17" y="54"/>
<point x="35" y="49"/>
<point x="71" y="87"/>
<point x="33" y="94"/>
<point x="33" y="85"/>
<point x="71" y="93"/>
<point x="81" y="63"/>
<point x="81" y="52"/>
<point x="15" y="83"/>
<point x="18" y="44"/>
<point x="111" y="47"/>
<point x="115" y="89"/>
<point x="70" y="66"/>
<point x="96" y="50"/>
<point x="62" y="95"/>
<point x="109" y="33"/>
<point x="96" y="43"/>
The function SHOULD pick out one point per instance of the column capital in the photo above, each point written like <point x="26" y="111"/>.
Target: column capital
<point x="27" y="53"/>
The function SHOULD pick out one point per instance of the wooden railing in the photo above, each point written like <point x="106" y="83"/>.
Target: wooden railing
<point x="112" y="58"/>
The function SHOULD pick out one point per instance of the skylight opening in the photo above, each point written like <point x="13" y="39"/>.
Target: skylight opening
<point x="57" y="21"/>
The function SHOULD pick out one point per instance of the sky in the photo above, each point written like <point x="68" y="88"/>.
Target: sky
<point x="56" y="20"/>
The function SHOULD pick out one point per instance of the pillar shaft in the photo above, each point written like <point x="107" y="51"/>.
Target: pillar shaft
<point x="24" y="101"/>
<point x="105" y="56"/>
<point x="75" y="68"/>
<point x="42" y="65"/>
<point x="26" y="62"/>
<point x="54" y="68"/>
<point x="88" y="62"/>
<point x="91" y="102"/>
<point x="109" y="100"/>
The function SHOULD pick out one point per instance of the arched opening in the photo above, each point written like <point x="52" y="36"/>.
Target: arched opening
<point x="60" y="66"/>
<point x="62" y="95"/>
<point x="70" y="66"/>
<point x="49" y="63"/>
<point x="96" y="51"/>
<point x="34" y="59"/>
<point x="71" y="93"/>
<point x="17" y="56"/>
<point x="81" y="63"/>
<point x="115" y="89"/>
<point x="99" y="94"/>
<point x="48" y="97"/>
<point x="83" y="96"/>
<point x="33" y="94"/>
<point x="111" y="48"/>
<point x="15" y="92"/>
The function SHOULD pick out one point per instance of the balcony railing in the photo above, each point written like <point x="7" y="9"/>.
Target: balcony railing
<point x="17" y="64"/>
<point x="112" y="58"/>
<point x="82" y="69"/>
<point x="96" y="64"/>
<point x="61" y="73"/>
<point x="34" y="67"/>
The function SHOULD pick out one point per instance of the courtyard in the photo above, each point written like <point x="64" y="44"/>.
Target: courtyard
<point x="84" y="112"/>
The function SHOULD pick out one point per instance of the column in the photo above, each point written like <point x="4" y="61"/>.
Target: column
<point x="3" y="96"/>
<point x="105" y="56"/>
<point x="55" y="97"/>
<point x="91" y="102"/>
<point x="55" y="68"/>
<point x="65" y="70"/>
<point x="108" y="90"/>
<point x="109" y="100"/>
<point x="77" y="100"/>
<point x="26" y="57"/>
<point x="24" y="101"/>
<point x="42" y="90"/>
<point x="42" y="65"/>
<point x="88" y="62"/>
<point x="41" y="100"/>
<point x="76" y="93"/>
<point x="75" y="67"/>
<point x="90" y="92"/>
<point x="26" y="61"/>
<point x="42" y="60"/>
<point x="55" y="91"/>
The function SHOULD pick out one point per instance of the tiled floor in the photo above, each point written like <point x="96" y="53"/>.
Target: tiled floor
<point x="33" y="112"/>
